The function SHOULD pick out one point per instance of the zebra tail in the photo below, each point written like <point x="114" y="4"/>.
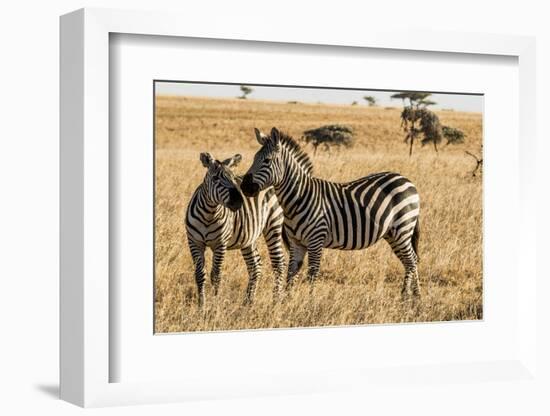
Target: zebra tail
<point x="416" y="237"/>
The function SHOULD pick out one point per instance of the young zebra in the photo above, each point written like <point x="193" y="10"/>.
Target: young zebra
<point x="347" y="216"/>
<point x="220" y="218"/>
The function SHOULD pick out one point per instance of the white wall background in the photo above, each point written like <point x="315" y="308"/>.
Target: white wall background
<point x="29" y="183"/>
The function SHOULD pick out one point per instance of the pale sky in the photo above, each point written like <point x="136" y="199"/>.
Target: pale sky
<point x="458" y="102"/>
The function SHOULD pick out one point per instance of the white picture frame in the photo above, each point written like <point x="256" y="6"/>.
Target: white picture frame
<point x="85" y="355"/>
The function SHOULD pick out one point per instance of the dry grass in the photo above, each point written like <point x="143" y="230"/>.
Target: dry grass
<point x="354" y="287"/>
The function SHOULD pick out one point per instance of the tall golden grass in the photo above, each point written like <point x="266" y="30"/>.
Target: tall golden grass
<point x="354" y="287"/>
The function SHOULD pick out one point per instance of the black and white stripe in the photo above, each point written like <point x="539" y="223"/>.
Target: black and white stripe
<point x="347" y="216"/>
<point x="220" y="218"/>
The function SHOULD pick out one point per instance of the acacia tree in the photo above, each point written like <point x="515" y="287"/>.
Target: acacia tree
<point x="418" y="121"/>
<point x="411" y="115"/>
<point x="370" y="100"/>
<point x="245" y="90"/>
<point x="453" y="136"/>
<point x="416" y="99"/>
<point x="329" y="135"/>
<point x="430" y="128"/>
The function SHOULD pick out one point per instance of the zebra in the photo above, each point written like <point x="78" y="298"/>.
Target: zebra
<point x="347" y="216"/>
<point x="220" y="218"/>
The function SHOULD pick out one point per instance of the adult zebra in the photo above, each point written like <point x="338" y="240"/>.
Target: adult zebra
<point x="347" y="216"/>
<point x="219" y="217"/>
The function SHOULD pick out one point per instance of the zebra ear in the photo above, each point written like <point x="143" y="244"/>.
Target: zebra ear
<point x="206" y="159"/>
<point x="233" y="161"/>
<point x="260" y="136"/>
<point x="275" y="137"/>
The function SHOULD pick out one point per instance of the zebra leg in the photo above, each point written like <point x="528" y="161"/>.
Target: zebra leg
<point x="277" y="257"/>
<point x="217" y="262"/>
<point x="415" y="284"/>
<point x="273" y="234"/>
<point x="297" y="254"/>
<point x="415" y="281"/>
<point x="197" y="252"/>
<point x="403" y="249"/>
<point x="254" y="266"/>
<point x="314" y="252"/>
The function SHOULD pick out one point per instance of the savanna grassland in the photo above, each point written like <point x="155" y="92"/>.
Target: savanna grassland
<point x="353" y="287"/>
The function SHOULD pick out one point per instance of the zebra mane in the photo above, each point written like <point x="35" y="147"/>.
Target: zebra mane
<point x="300" y="155"/>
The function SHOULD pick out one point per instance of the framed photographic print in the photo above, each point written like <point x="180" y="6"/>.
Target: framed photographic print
<point x="333" y="185"/>
<point x="280" y="214"/>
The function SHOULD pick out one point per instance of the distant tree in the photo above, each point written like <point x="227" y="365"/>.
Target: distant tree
<point x="430" y="127"/>
<point x="426" y="103"/>
<point x="245" y="90"/>
<point x="416" y="99"/>
<point x="370" y="100"/>
<point x="453" y="136"/>
<point x="354" y="103"/>
<point x="419" y="122"/>
<point x="329" y="135"/>
<point x="411" y="117"/>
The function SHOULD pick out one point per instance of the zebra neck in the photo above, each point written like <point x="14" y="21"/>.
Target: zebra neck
<point x="296" y="184"/>
<point x="211" y="211"/>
